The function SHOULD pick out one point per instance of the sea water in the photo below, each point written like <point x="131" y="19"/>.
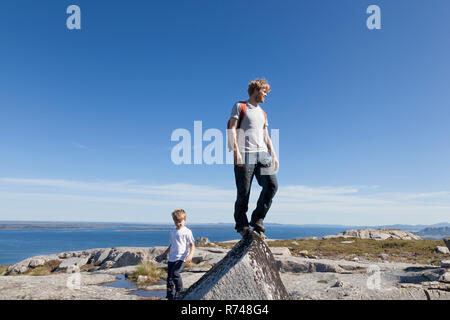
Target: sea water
<point x="16" y="245"/>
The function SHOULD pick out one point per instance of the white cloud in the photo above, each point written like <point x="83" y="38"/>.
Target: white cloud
<point x="326" y="204"/>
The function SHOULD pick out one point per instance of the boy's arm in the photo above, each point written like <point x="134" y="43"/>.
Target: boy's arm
<point x="191" y="252"/>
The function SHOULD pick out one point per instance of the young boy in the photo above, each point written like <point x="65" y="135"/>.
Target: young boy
<point x="180" y="251"/>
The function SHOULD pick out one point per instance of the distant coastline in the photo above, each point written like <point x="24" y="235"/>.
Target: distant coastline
<point x="29" y="225"/>
<point x="22" y="239"/>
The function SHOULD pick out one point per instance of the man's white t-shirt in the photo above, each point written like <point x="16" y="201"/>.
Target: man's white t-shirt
<point x="253" y="124"/>
<point x="180" y="241"/>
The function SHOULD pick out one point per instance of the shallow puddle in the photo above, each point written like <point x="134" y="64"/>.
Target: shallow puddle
<point x="123" y="283"/>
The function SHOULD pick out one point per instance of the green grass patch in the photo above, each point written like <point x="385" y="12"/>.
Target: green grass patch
<point x="190" y="265"/>
<point x="39" y="271"/>
<point x="227" y="245"/>
<point x="208" y="245"/>
<point x="44" y="270"/>
<point x="151" y="271"/>
<point x="86" y="267"/>
<point x="197" y="265"/>
<point x="3" y="268"/>
<point x="408" y="251"/>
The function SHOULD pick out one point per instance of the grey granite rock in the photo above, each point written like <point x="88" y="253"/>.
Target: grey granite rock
<point x="304" y="278"/>
<point x="442" y="249"/>
<point x="376" y="234"/>
<point x="301" y="265"/>
<point x="202" y="241"/>
<point x="55" y="287"/>
<point x="445" y="277"/>
<point x="280" y="251"/>
<point x="71" y="262"/>
<point x="100" y="256"/>
<point x="321" y="286"/>
<point x="447" y="242"/>
<point x="247" y="272"/>
<point x="29" y="264"/>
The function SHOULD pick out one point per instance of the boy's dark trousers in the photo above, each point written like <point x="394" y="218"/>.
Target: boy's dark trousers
<point x="255" y="164"/>
<point x="174" y="281"/>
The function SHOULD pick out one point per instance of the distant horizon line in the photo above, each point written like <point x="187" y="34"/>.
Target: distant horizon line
<point x="216" y="223"/>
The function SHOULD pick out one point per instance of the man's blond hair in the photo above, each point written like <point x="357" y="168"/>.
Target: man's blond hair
<point x="179" y="214"/>
<point x="258" y="84"/>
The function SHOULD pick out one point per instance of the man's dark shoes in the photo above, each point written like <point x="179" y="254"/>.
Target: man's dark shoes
<point x="243" y="231"/>
<point x="261" y="234"/>
<point x="258" y="226"/>
<point x="259" y="229"/>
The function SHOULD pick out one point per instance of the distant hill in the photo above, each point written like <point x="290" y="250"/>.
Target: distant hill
<point x="434" y="233"/>
<point x="442" y="228"/>
<point x="416" y="228"/>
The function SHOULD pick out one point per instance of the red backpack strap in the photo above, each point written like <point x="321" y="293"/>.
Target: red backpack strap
<point x="242" y="113"/>
<point x="243" y="107"/>
<point x="243" y="110"/>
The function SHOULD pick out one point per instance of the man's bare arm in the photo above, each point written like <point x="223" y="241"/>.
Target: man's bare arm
<point x="237" y="154"/>
<point x="270" y="148"/>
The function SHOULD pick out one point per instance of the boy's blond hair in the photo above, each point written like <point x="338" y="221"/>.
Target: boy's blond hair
<point x="258" y="84"/>
<point x="179" y="214"/>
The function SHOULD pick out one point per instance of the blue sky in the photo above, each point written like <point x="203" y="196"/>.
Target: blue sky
<point x="87" y="115"/>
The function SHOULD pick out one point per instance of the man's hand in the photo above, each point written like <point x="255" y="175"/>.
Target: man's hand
<point x="238" y="159"/>
<point x="188" y="259"/>
<point x="276" y="164"/>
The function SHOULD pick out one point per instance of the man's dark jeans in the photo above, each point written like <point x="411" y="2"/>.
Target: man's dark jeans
<point x="174" y="281"/>
<point x="255" y="164"/>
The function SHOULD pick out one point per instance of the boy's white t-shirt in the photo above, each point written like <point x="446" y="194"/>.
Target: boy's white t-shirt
<point x="179" y="243"/>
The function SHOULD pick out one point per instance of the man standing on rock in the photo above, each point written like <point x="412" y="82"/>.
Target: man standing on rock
<point x="254" y="155"/>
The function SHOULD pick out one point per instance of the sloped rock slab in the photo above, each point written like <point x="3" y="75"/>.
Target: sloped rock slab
<point x="247" y="272"/>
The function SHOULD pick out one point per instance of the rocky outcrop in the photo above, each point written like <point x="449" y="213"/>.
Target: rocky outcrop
<point x="376" y="234"/>
<point x="303" y="277"/>
<point x="202" y="241"/>
<point x="247" y="272"/>
<point x="55" y="287"/>
<point x="280" y="251"/>
<point x="306" y="265"/>
<point x="29" y="264"/>
<point x="103" y="258"/>
<point x="447" y="242"/>
<point x="442" y="250"/>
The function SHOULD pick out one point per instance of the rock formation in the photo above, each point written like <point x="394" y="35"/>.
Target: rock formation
<point x="376" y="234"/>
<point x="247" y="272"/>
<point x="442" y="250"/>
<point x="202" y="241"/>
<point x="103" y="258"/>
<point x="447" y="242"/>
<point x="303" y="277"/>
